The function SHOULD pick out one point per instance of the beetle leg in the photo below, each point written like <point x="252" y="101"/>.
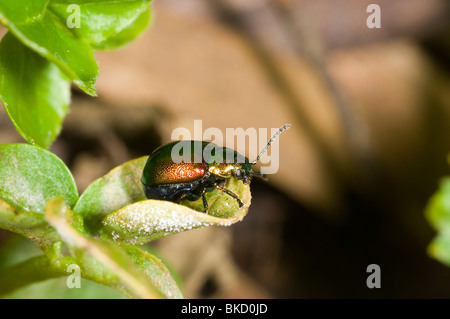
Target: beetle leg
<point x="205" y="203"/>
<point x="181" y="198"/>
<point x="240" y="203"/>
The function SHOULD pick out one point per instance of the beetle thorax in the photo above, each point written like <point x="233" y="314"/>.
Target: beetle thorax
<point x="222" y="169"/>
<point x="239" y="171"/>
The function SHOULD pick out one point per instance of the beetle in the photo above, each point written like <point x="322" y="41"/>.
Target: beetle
<point x="166" y="178"/>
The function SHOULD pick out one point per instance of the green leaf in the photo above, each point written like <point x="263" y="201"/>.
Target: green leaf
<point x="30" y="176"/>
<point x="57" y="289"/>
<point x="35" y="93"/>
<point x="105" y="24"/>
<point x="24" y="273"/>
<point x="222" y="205"/>
<point x="148" y="220"/>
<point x="45" y="32"/>
<point x="115" y="195"/>
<point x="32" y="270"/>
<point x="438" y="209"/>
<point x="120" y="187"/>
<point x="439" y="248"/>
<point x="16" y="249"/>
<point x="22" y="263"/>
<point x="438" y="214"/>
<point x="155" y="271"/>
<point x="102" y="261"/>
<point x="128" y="34"/>
<point x="28" y="224"/>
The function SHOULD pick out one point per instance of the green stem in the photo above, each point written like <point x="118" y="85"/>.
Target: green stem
<point x="30" y="271"/>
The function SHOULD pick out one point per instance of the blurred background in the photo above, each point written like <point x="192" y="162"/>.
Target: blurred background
<point x="370" y="135"/>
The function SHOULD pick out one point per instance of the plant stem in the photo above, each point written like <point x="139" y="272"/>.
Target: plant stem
<point x="30" y="271"/>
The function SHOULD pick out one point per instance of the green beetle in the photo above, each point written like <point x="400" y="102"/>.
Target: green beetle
<point x="167" y="178"/>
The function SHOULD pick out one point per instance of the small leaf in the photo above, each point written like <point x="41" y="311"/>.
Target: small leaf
<point x="101" y="261"/>
<point x="42" y="30"/>
<point x="30" y="176"/>
<point x="155" y="271"/>
<point x="23" y="264"/>
<point x="35" y="93"/>
<point x="440" y="248"/>
<point x="120" y="187"/>
<point x="32" y="270"/>
<point x="152" y="219"/>
<point x="438" y="209"/>
<point x="57" y="289"/>
<point x="438" y="214"/>
<point x="222" y="205"/>
<point x="128" y="34"/>
<point x="28" y="224"/>
<point x="106" y="24"/>
<point x="16" y="249"/>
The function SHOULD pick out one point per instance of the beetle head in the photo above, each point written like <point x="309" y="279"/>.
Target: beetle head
<point x="243" y="172"/>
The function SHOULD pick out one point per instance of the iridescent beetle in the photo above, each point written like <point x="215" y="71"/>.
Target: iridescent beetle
<point x="166" y="179"/>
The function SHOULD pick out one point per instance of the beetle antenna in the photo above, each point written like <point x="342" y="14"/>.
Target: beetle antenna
<point x="281" y="129"/>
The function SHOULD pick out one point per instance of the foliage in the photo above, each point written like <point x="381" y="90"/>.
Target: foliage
<point x="438" y="213"/>
<point x="45" y="49"/>
<point x="39" y="200"/>
<point x="49" y="44"/>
